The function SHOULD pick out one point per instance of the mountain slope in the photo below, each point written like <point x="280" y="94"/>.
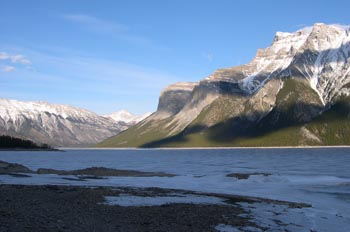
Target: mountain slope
<point x="286" y="95"/>
<point x="57" y="125"/>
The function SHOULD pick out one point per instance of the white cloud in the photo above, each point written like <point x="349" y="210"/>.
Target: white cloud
<point x="8" y="68"/>
<point x="15" y="59"/>
<point x="20" y="59"/>
<point x="4" y="56"/>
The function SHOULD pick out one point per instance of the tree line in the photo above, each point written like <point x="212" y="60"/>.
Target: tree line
<point x="9" y="142"/>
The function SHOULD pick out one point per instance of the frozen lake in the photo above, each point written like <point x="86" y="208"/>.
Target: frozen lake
<point x="319" y="176"/>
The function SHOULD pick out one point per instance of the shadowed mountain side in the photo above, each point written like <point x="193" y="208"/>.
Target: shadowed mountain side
<point x="333" y="126"/>
<point x="330" y="128"/>
<point x="281" y="126"/>
<point x="234" y="131"/>
<point x="228" y="111"/>
<point x="156" y="129"/>
<point x="137" y="135"/>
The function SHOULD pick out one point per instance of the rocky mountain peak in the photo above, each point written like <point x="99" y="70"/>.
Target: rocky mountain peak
<point x="325" y="37"/>
<point x="313" y="53"/>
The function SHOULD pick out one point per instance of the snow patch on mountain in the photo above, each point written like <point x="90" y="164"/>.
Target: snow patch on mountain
<point x="319" y="53"/>
<point x="127" y="117"/>
<point x="10" y="109"/>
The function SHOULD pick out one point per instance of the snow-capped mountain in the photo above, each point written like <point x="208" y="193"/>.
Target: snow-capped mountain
<point x="320" y="54"/>
<point x="58" y="125"/>
<point x="302" y="76"/>
<point x="127" y="117"/>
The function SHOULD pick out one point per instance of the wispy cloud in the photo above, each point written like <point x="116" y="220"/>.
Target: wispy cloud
<point x="75" y="78"/>
<point x="20" y="59"/>
<point x="96" y="25"/>
<point x="208" y="55"/>
<point x="8" y="68"/>
<point x="4" y="56"/>
<point x="9" y="61"/>
<point x="114" y="30"/>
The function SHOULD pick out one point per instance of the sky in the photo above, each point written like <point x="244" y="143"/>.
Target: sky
<point x="109" y="55"/>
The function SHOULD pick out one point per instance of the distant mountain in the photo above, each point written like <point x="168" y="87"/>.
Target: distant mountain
<point x="53" y="124"/>
<point x="294" y="92"/>
<point x="127" y="117"/>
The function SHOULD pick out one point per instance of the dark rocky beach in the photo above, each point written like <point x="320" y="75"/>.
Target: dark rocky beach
<point x="70" y="208"/>
<point x="73" y="208"/>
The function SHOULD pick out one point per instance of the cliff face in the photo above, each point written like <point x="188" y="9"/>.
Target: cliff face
<point x="285" y="89"/>
<point x="174" y="98"/>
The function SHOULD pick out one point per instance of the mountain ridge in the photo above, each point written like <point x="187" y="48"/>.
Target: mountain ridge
<point x="55" y="124"/>
<point x="297" y="79"/>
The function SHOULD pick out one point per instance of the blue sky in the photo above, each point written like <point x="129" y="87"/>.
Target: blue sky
<point x="111" y="55"/>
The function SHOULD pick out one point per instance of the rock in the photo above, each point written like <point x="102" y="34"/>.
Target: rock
<point x="245" y="176"/>
<point x="83" y="174"/>
<point x="95" y="172"/>
<point x="174" y="98"/>
<point x="6" y="168"/>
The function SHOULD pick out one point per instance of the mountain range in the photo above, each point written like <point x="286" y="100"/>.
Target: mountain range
<point x="294" y="92"/>
<point x="60" y="125"/>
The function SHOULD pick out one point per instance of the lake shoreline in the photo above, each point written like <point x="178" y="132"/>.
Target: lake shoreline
<point x="30" y="149"/>
<point x="201" y="148"/>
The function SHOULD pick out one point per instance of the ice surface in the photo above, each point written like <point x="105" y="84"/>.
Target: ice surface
<point x="130" y="200"/>
<point x="320" y="177"/>
<point x="226" y="228"/>
<point x="275" y="216"/>
<point x="295" y="220"/>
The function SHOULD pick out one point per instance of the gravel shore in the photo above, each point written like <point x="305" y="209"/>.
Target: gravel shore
<point x="69" y="208"/>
